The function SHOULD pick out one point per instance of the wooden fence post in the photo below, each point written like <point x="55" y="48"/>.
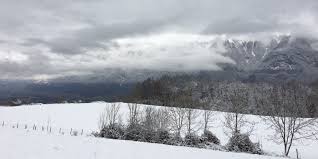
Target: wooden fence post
<point x="297" y="154"/>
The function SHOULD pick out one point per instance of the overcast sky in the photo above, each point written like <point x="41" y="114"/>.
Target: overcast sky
<point x="53" y="38"/>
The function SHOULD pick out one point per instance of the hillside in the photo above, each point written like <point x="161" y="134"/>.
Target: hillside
<point x="27" y="145"/>
<point x="85" y="117"/>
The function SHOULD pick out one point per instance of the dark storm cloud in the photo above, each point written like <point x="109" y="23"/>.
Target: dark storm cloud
<point x="94" y="36"/>
<point x="63" y="31"/>
<point x="36" y="64"/>
<point x="262" y="15"/>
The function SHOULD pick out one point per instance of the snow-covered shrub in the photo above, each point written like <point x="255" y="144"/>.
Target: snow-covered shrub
<point x="149" y="136"/>
<point x="95" y="134"/>
<point x="163" y="136"/>
<point x="257" y="149"/>
<point x="242" y="143"/>
<point x="209" y="137"/>
<point x="74" y="133"/>
<point x="134" y="132"/>
<point x="176" y="140"/>
<point x="114" y="131"/>
<point x="191" y="140"/>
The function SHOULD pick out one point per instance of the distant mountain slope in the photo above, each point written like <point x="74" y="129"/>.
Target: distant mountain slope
<point x="292" y="58"/>
<point x="277" y="59"/>
<point x="283" y="58"/>
<point x="28" y="92"/>
<point x="280" y="59"/>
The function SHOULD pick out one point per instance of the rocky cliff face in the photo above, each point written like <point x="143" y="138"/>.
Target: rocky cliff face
<point x="283" y="58"/>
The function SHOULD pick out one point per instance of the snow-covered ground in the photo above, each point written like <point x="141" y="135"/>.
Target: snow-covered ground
<point x="21" y="143"/>
<point x="17" y="144"/>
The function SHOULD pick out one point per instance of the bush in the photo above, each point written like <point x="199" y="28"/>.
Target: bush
<point x="163" y="136"/>
<point x="242" y="143"/>
<point x="209" y="137"/>
<point x="257" y="149"/>
<point x="74" y="133"/>
<point x="95" y="134"/>
<point x="134" y="132"/>
<point x="149" y="136"/>
<point x="191" y="140"/>
<point x="176" y="140"/>
<point x="114" y="131"/>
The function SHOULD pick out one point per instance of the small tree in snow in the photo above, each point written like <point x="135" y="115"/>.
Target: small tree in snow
<point x="237" y="97"/>
<point x="191" y="120"/>
<point x="110" y="115"/>
<point x="134" y="114"/>
<point x="207" y="119"/>
<point x="242" y="143"/>
<point x="177" y="116"/>
<point x="287" y="105"/>
<point x="162" y="118"/>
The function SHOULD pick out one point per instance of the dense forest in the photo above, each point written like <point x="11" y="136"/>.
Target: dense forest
<point x="245" y="97"/>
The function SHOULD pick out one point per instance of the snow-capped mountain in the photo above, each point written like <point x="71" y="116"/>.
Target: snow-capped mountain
<point x="280" y="58"/>
<point x="246" y="54"/>
<point x="283" y="58"/>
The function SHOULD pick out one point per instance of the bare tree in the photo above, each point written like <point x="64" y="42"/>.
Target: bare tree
<point x="208" y="104"/>
<point x="191" y="116"/>
<point x="134" y="114"/>
<point x="236" y="123"/>
<point x="110" y="115"/>
<point x="178" y="116"/>
<point x="163" y="118"/>
<point x="149" y="120"/>
<point x="207" y="119"/>
<point x="156" y="118"/>
<point x="287" y="105"/>
<point x="237" y="98"/>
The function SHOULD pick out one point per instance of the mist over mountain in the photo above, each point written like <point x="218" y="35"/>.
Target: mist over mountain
<point x="284" y="58"/>
<point x="280" y="59"/>
<point x="159" y="72"/>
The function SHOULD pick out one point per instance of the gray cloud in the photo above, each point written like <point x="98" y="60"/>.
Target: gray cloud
<point x="36" y="64"/>
<point x="66" y="36"/>
<point x="241" y="26"/>
<point x="96" y="36"/>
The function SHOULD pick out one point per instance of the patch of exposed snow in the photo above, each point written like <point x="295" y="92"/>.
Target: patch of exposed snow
<point x="266" y="52"/>
<point x="253" y="49"/>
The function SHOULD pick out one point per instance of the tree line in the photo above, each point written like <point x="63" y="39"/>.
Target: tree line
<point x="181" y="126"/>
<point x="229" y="96"/>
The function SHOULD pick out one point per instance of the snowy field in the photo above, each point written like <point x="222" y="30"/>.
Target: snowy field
<point x="19" y="142"/>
